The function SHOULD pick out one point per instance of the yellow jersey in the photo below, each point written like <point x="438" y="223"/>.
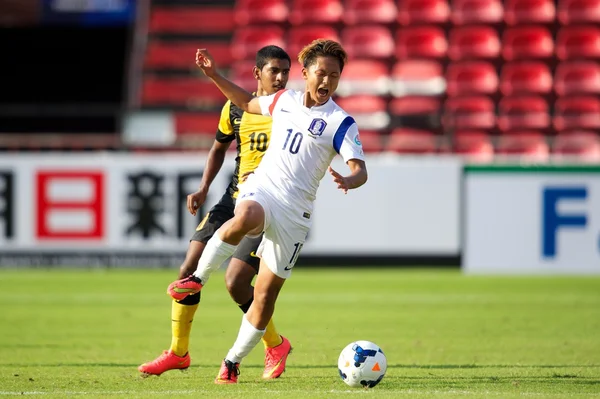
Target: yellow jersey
<point x="252" y="134"/>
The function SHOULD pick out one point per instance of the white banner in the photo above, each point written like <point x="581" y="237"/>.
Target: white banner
<point x="532" y="220"/>
<point x="117" y="204"/>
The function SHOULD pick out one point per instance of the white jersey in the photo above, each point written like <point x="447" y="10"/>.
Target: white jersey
<point x="304" y="141"/>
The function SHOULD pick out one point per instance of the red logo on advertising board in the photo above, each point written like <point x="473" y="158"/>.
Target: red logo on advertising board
<point x="70" y="205"/>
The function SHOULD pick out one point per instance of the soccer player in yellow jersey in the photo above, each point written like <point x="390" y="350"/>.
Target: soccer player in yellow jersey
<point x="252" y="134"/>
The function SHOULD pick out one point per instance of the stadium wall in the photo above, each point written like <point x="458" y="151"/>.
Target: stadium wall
<point x="128" y="210"/>
<point x="542" y="219"/>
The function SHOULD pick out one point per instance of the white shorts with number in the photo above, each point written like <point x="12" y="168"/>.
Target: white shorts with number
<point x="285" y="230"/>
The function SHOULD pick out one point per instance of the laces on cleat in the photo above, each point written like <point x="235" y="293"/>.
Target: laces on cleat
<point x="232" y="368"/>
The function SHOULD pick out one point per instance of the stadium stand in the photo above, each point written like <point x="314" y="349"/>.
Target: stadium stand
<point x="474" y="77"/>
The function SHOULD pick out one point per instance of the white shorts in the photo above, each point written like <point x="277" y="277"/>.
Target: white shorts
<point x="285" y="230"/>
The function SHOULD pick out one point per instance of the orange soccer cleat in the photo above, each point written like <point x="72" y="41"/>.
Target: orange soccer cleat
<point x="275" y="359"/>
<point x="165" y="362"/>
<point x="229" y="373"/>
<point x="181" y="288"/>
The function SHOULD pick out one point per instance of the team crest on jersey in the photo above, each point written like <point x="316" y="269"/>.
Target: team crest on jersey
<point x="317" y="127"/>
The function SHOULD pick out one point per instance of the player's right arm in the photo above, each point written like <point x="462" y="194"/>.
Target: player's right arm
<point x="240" y="97"/>
<point x="214" y="162"/>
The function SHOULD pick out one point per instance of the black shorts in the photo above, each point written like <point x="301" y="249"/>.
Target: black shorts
<point x="246" y="251"/>
<point x="214" y="219"/>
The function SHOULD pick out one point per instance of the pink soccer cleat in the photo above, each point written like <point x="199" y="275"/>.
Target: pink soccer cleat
<point x="165" y="362"/>
<point x="181" y="288"/>
<point x="229" y="373"/>
<point x="275" y="359"/>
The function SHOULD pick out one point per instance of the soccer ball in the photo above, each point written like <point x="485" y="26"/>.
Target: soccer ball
<point x="362" y="364"/>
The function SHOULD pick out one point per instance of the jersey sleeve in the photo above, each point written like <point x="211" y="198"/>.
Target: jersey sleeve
<point x="267" y="103"/>
<point x="225" y="130"/>
<point x="346" y="141"/>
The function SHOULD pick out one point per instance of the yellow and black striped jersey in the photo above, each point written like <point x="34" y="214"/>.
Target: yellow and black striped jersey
<point x="252" y="134"/>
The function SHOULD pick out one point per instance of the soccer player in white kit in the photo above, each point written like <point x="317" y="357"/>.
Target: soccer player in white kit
<point x="308" y="130"/>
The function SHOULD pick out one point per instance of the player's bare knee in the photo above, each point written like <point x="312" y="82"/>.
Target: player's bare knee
<point x="250" y="217"/>
<point x="237" y="287"/>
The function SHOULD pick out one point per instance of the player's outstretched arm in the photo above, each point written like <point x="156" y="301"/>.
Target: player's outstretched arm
<point x="233" y="92"/>
<point x="214" y="162"/>
<point x="357" y="177"/>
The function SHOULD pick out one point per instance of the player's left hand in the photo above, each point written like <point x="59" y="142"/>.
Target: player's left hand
<point x="205" y="62"/>
<point x="340" y="180"/>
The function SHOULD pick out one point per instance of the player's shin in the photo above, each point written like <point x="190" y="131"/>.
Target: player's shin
<point x="272" y="338"/>
<point x="247" y="339"/>
<point x="182" y="316"/>
<point x="215" y="253"/>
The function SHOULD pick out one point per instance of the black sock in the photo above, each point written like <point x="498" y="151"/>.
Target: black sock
<point x="193" y="299"/>
<point x="246" y="306"/>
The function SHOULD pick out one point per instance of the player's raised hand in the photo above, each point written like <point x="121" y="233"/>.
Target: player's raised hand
<point x="195" y="201"/>
<point x="205" y="62"/>
<point x="340" y="180"/>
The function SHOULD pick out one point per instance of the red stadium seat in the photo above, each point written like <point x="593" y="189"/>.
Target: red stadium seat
<point x="364" y="77"/>
<point x="528" y="145"/>
<point x="577" y="112"/>
<point x="420" y="42"/>
<point x="475" y="145"/>
<point x="415" y="105"/>
<point x="577" y="77"/>
<point x="372" y="141"/>
<point x="241" y="74"/>
<point x="186" y="91"/>
<point x="525" y="112"/>
<point x="417" y="77"/>
<point x="416" y="111"/>
<point x="525" y="77"/>
<point x="578" y="43"/>
<point x="471" y="77"/>
<point x="578" y="11"/>
<point x="369" y="12"/>
<point x="374" y="41"/>
<point x="527" y="42"/>
<point x="411" y="141"/>
<point x="248" y="12"/>
<point x="191" y="20"/>
<point x="300" y="36"/>
<point x="469" y="113"/>
<point x="582" y="146"/>
<point x="305" y="12"/>
<point x="423" y="12"/>
<point x="369" y="112"/>
<point x="174" y="54"/>
<point x="247" y="41"/>
<point x="473" y="42"/>
<point x="518" y="12"/>
<point x="476" y="12"/>
<point x="197" y="123"/>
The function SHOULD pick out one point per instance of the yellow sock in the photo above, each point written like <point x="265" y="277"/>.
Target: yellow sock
<point x="181" y="326"/>
<point x="271" y="338"/>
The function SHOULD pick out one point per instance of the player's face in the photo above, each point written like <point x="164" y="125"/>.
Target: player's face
<point x="274" y="75"/>
<point x="322" y="79"/>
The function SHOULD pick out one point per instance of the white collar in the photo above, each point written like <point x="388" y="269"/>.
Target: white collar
<point x="315" y="107"/>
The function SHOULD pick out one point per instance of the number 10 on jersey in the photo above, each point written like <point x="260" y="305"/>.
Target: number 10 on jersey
<point x="294" y="143"/>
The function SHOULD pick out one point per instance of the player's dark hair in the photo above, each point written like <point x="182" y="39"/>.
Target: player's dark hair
<point x="269" y="53"/>
<point x="322" y="48"/>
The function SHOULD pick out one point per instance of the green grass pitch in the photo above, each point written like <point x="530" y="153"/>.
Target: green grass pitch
<point x="445" y="335"/>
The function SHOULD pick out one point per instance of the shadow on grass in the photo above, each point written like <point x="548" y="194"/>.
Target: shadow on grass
<point x="326" y="366"/>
